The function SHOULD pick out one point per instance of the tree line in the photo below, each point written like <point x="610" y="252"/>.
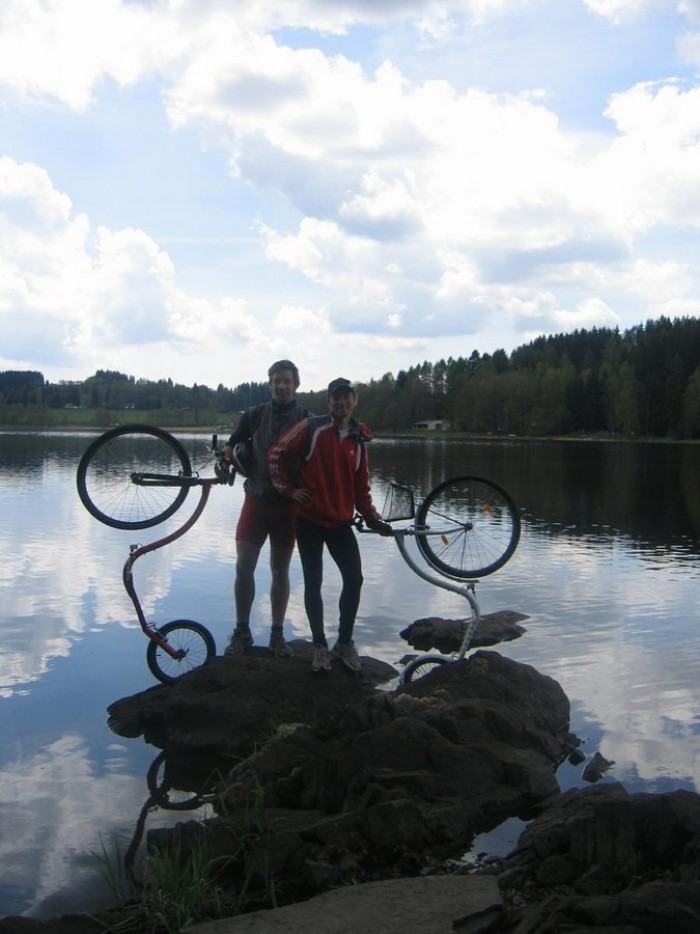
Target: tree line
<point x="642" y="382"/>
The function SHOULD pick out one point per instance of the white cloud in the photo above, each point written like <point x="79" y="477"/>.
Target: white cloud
<point x="620" y="11"/>
<point x="62" y="49"/>
<point x="410" y="206"/>
<point x="651" y="171"/>
<point x="66" y="292"/>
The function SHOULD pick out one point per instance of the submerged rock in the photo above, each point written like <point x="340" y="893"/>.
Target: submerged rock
<point x="446" y="635"/>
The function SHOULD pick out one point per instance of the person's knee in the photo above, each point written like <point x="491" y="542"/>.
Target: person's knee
<point x="280" y="560"/>
<point x="246" y="558"/>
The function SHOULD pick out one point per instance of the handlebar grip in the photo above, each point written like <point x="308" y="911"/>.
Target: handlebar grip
<point x="225" y="472"/>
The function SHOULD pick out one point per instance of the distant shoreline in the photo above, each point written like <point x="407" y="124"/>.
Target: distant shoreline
<point x="401" y="435"/>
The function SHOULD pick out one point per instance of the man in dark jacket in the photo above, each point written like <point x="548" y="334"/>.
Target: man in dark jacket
<point x="321" y="465"/>
<point x="265" y="512"/>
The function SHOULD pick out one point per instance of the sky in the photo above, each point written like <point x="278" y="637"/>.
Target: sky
<point x="192" y="189"/>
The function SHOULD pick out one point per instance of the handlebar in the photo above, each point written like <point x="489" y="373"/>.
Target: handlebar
<point x="225" y="471"/>
<point x="361" y="526"/>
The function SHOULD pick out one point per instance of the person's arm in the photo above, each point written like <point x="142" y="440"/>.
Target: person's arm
<point x="363" y="498"/>
<point x="286" y="450"/>
<point x="242" y="432"/>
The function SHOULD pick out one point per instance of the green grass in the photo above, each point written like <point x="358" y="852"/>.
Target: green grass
<point x="161" y="890"/>
<point x="166" y="890"/>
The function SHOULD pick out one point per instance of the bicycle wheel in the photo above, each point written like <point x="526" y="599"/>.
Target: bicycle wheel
<point x="422" y="666"/>
<point x="107" y="469"/>
<point x="193" y="640"/>
<point x="467" y="528"/>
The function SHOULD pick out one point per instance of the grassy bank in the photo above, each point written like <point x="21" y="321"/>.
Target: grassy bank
<point x="41" y="418"/>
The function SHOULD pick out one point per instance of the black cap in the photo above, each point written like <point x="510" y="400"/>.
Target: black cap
<point x="341" y="385"/>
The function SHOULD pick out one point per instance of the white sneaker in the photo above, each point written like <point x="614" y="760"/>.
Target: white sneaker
<point x="322" y="659"/>
<point x="348" y="655"/>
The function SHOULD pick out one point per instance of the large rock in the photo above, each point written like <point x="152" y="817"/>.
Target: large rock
<point x="345" y="782"/>
<point x="603" y="859"/>
<point x="429" y="905"/>
<point x="230" y="705"/>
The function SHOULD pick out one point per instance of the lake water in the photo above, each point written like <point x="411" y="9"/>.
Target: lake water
<point x="607" y="569"/>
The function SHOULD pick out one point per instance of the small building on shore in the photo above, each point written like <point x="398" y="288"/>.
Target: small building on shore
<point x="433" y="424"/>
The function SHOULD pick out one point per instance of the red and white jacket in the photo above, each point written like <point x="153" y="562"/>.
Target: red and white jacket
<point x="313" y="456"/>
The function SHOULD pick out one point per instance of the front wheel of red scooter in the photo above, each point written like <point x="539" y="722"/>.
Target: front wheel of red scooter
<point x="192" y="642"/>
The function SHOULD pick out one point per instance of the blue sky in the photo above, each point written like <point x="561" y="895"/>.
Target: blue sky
<point x="195" y="188"/>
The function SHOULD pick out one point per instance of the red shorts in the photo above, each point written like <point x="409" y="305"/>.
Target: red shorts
<point x="260" y="519"/>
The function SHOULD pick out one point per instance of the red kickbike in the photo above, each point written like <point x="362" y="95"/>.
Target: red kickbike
<point x="134" y="477"/>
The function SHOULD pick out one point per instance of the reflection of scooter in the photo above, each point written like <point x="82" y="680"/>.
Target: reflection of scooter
<point x="170" y="781"/>
<point x="166" y="784"/>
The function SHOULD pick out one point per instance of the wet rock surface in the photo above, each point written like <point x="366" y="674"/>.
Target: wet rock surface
<point x="446" y="635"/>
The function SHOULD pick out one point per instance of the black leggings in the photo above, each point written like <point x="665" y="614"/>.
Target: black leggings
<point x="344" y="550"/>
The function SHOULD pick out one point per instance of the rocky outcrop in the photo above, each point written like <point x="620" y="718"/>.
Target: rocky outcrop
<point x="594" y="860"/>
<point x="233" y="704"/>
<point x="603" y="859"/>
<point x="357" y="783"/>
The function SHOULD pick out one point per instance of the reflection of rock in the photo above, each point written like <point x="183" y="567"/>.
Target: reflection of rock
<point x="595" y="769"/>
<point x="446" y="635"/>
<point x="603" y="859"/>
<point x="357" y="783"/>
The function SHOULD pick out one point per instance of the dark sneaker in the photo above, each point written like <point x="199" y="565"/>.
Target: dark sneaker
<point x="348" y="655"/>
<point x="241" y="640"/>
<point x="322" y="659"/>
<point x="279" y="646"/>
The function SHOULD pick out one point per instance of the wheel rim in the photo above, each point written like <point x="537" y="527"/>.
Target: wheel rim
<point x="105" y="477"/>
<point x="478" y="526"/>
<point x="192" y="640"/>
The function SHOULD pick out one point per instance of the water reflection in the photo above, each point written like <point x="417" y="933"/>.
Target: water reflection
<point x="607" y="570"/>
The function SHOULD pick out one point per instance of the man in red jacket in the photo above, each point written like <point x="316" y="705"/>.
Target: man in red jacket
<point x="321" y="465"/>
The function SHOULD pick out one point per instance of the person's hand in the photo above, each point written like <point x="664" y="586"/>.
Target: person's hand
<point x="383" y="528"/>
<point x="301" y="496"/>
<point x="241" y="458"/>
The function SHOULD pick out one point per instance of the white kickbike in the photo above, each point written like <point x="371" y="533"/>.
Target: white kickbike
<point x="466" y="528"/>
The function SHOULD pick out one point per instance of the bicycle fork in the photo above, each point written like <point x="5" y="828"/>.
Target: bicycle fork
<point x="135" y="551"/>
<point x="149" y="629"/>
<point x="466" y="590"/>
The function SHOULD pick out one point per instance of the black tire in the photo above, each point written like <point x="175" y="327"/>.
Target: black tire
<point x="105" y="476"/>
<point x="479" y="528"/>
<point x="186" y="635"/>
<point x="163" y="793"/>
<point x="422" y="666"/>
